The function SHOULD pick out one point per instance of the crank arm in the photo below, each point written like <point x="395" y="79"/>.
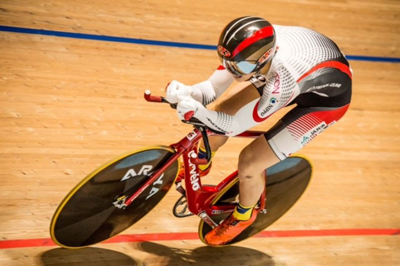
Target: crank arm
<point x="207" y="219"/>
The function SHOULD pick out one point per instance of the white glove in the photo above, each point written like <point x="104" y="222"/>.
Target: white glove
<point x="175" y="89"/>
<point x="188" y="104"/>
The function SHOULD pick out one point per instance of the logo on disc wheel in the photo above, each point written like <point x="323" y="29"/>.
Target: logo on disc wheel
<point x="132" y="173"/>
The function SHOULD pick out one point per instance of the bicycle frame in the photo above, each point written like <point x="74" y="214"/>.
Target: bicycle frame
<point x="199" y="197"/>
<point x="77" y="225"/>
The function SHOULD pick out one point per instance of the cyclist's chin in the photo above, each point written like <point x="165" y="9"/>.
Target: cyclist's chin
<point x="244" y="77"/>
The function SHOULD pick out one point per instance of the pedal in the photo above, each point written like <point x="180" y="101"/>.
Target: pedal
<point x="261" y="209"/>
<point x="120" y="202"/>
<point x="180" y="208"/>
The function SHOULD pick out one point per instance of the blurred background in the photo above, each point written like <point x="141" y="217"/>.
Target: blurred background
<point x="72" y="77"/>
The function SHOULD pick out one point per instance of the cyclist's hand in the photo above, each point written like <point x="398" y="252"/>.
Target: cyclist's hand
<point x="175" y="89"/>
<point x="187" y="106"/>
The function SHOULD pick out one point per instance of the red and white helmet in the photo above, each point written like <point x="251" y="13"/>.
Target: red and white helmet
<point x="246" y="45"/>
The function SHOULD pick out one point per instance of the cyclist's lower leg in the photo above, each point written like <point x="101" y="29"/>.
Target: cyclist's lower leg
<point x="253" y="161"/>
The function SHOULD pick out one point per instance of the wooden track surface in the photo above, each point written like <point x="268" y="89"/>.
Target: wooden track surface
<point x="67" y="105"/>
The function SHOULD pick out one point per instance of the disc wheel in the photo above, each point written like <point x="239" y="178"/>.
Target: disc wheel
<point x="87" y="214"/>
<point x="286" y="182"/>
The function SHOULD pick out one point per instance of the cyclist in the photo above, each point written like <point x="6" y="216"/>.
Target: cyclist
<point x="276" y="66"/>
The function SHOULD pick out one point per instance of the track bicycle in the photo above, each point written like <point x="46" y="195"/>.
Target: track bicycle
<point x="121" y="192"/>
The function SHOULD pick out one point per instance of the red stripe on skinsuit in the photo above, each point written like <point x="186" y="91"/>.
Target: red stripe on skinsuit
<point x="334" y="64"/>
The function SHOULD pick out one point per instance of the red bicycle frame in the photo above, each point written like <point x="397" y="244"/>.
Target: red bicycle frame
<point x="199" y="197"/>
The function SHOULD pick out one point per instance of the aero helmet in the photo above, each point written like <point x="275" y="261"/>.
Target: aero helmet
<point x="246" y="45"/>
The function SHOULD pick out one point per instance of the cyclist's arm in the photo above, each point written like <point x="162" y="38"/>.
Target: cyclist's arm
<point x="208" y="91"/>
<point x="247" y="117"/>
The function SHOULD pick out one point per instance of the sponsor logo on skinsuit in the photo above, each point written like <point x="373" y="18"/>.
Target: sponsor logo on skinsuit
<point x="269" y="107"/>
<point x="333" y="85"/>
<point x="277" y="84"/>
<point x="310" y="135"/>
<point x="272" y="101"/>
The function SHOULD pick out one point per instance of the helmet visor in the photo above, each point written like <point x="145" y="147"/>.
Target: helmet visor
<point x="240" y="68"/>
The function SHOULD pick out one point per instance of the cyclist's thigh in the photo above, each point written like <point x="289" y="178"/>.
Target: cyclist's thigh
<point x="300" y="126"/>
<point x="257" y="156"/>
<point x="236" y="97"/>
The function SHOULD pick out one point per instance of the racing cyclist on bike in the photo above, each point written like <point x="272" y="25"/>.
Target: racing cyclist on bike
<point x="276" y="66"/>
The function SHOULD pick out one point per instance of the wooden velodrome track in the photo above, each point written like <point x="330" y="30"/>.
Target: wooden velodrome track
<point x="70" y="102"/>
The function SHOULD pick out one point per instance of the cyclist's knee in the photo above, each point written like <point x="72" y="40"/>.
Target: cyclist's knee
<point x="255" y="158"/>
<point x="246" y="158"/>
